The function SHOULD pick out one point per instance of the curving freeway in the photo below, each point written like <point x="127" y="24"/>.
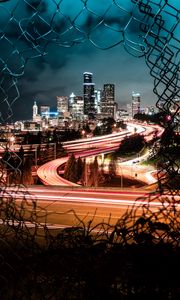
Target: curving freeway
<point x="48" y="173"/>
<point x="61" y="203"/>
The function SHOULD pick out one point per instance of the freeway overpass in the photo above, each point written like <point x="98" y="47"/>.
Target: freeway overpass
<point x="85" y="147"/>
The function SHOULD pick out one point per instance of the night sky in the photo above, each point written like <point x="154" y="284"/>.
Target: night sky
<point x="60" y="71"/>
<point x="116" y="66"/>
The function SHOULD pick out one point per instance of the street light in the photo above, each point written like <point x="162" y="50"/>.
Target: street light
<point x="83" y="132"/>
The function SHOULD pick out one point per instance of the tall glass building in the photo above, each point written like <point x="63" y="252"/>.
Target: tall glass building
<point x="136" y="103"/>
<point x="89" y="96"/>
<point x="108" y="100"/>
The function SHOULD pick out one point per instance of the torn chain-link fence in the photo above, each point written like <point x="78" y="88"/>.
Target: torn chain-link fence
<point x="105" y="24"/>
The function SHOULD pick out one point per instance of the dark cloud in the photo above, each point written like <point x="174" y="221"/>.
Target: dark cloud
<point x="52" y="70"/>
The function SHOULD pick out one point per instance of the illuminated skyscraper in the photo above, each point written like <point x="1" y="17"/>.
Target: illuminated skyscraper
<point x="77" y="110"/>
<point x="98" y="96"/>
<point x="44" y="110"/>
<point x="45" y="113"/>
<point x="136" y="103"/>
<point x="108" y="100"/>
<point x="62" y="104"/>
<point x="89" y="97"/>
<point x="129" y="110"/>
<point x="71" y="102"/>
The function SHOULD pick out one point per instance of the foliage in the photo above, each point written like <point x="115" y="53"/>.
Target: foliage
<point x="73" y="265"/>
<point x="158" y="118"/>
<point x="55" y="136"/>
<point x="105" y="128"/>
<point x="86" y="128"/>
<point x="83" y="178"/>
<point x="71" y="172"/>
<point x="93" y="178"/>
<point x="131" y="144"/>
<point x="121" y="124"/>
<point x="112" y="167"/>
<point x="80" y="167"/>
<point x="97" y="131"/>
<point x="69" y="135"/>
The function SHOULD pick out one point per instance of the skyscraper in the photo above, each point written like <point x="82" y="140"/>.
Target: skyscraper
<point x="98" y="96"/>
<point x="62" y="104"/>
<point x="45" y="113"/>
<point x="108" y="100"/>
<point x="77" y="110"/>
<point x="35" y="110"/>
<point x="136" y="103"/>
<point x="129" y="110"/>
<point x="71" y="102"/>
<point x="89" y="97"/>
<point x="44" y="110"/>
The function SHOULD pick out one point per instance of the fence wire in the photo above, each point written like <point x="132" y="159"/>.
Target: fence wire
<point x="105" y="24"/>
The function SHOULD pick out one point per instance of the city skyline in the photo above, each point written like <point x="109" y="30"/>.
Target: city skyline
<point x="129" y="79"/>
<point x="89" y="154"/>
<point x="57" y="66"/>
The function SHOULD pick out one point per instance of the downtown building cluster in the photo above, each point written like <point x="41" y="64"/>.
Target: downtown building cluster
<point x="93" y="105"/>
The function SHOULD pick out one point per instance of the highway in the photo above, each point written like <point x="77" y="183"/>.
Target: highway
<point x="134" y="169"/>
<point x="60" y="203"/>
<point x="48" y="173"/>
<point x="58" y="207"/>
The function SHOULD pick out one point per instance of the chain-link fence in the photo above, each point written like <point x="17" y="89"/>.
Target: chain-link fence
<point x="27" y="27"/>
<point x="155" y="36"/>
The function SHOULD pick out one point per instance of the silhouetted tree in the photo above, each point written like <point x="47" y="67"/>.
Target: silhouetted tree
<point x="109" y="121"/>
<point x="79" y="168"/>
<point x="70" y="172"/>
<point x="93" y="174"/>
<point x="132" y="144"/>
<point x="112" y="167"/>
<point x="108" y="129"/>
<point x="158" y="118"/>
<point x="142" y="117"/>
<point x="97" y="131"/>
<point x="84" y="173"/>
<point x="121" y="124"/>
<point x="86" y="128"/>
